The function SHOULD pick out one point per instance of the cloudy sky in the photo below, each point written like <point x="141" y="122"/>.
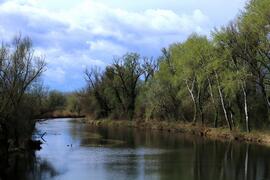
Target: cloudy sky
<point x="77" y="34"/>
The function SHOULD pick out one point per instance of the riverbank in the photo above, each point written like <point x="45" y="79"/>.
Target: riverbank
<point x="60" y="114"/>
<point x="222" y="134"/>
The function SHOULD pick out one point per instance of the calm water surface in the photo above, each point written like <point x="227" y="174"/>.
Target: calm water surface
<point x="75" y="151"/>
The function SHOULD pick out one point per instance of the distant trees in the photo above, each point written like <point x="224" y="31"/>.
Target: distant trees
<point x="217" y="82"/>
<point x="56" y="100"/>
<point x="73" y="104"/>
<point x="20" y="89"/>
<point x="57" y="104"/>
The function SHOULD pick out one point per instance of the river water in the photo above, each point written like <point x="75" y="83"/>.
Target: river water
<point x="76" y="151"/>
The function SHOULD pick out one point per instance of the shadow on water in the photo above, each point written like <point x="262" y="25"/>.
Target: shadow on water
<point x="122" y="153"/>
<point x="25" y="166"/>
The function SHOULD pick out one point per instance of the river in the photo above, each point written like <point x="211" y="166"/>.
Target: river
<point x="75" y="151"/>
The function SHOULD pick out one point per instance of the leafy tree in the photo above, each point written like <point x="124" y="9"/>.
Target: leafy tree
<point x="220" y="81"/>
<point x="162" y="100"/>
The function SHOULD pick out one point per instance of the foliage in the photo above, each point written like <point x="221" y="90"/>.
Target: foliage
<point x="223" y="81"/>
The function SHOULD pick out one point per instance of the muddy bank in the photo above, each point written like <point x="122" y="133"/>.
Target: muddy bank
<point x="222" y="134"/>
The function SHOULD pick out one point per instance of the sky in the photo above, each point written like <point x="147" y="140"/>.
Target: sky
<point x="74" y="35"/>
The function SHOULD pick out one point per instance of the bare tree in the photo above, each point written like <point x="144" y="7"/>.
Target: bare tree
<point x="19" y="69"/>
<point x="128" y="69"/>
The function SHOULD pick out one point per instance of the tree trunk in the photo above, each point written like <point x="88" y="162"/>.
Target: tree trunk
<point x="5" y="134"/>
<point x="231" y="114"/>
<point x="131" y="107"/>
<point x="214" y="103"/>
<point x="264" y="93"/>
<point x="222" y="103"/>
<point x="246" y="108"/>
<point x="190" y="90"/>
<point x="200" y="106"/>
<point x="216" y="119"/>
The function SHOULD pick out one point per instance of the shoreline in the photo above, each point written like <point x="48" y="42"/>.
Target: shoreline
<point x="222" y="134"/>
<point x="60" y="116"/>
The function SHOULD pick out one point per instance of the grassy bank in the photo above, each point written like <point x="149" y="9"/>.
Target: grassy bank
<point x="222" y="134"/>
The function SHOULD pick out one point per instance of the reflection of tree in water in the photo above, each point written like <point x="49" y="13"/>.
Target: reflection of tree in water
<point x="124" y="166"/>
<point x="25" y="166"/>
<point x="86" y="135"/>
<point x="246" y="162"/>
<point x="42" y="170"/>
<point x="190" y="158"/>
<point x="217" y="161"/>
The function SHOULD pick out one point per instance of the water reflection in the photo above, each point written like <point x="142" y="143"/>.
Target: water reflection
<point x="25" y="166"/>
<point x="171" y="156"/>
<point x="115" y="153"/>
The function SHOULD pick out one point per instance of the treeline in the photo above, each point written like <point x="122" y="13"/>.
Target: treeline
<point x="56" y="104"/>
<point x="221" y="81"/>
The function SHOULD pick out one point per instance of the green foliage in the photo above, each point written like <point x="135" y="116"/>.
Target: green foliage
<point x="222" y="81"/>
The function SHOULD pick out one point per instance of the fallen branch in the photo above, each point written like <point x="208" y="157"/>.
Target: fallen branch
<point x="42" y="136"/>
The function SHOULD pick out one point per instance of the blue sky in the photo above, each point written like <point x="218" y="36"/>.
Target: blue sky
<point x="73" y="35"/>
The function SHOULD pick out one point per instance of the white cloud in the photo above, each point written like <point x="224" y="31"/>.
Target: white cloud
<point x="105" y="46"/>
<point x="89" y="32"/>
<point x="199" y="17"/>
<point x="56" y="74"/>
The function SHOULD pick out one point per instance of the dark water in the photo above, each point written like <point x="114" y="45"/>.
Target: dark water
<point x="120" y="154"/>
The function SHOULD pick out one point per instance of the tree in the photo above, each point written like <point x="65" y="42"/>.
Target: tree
<point x="96" y="89"/>
<point x="191" y="59"/>
<point x="20" y="69"/>
<point x="161" y="92"/>
<point x="228" y="45"/>
<point x="128" y="71"/>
